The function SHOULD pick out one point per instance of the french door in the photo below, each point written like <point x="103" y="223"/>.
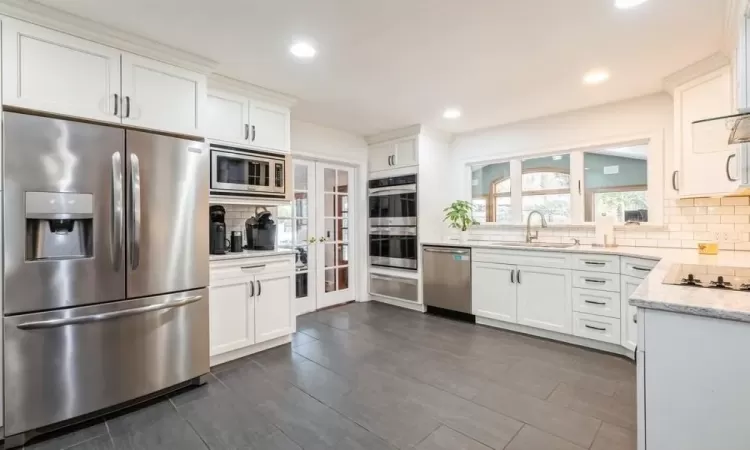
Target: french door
<point x="317" y="226"/>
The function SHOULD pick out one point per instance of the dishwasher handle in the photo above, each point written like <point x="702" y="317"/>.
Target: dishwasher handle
<point x="446" y="250"/>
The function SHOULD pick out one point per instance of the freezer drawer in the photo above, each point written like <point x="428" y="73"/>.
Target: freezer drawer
<point x="65" y="363"/>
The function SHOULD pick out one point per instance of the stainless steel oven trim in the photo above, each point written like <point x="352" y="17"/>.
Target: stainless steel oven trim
<point x="393" y="221"/>
<point x="399" y="263"/>
<point x="248" y="156"/>
<point x="409" y="281"/>
<point x="393" y="231"/>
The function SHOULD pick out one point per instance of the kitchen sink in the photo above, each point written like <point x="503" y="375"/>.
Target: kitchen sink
<point x="533" y="244"/>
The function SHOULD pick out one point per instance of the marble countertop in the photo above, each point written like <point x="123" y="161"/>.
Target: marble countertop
<point x="251" y="254"/>
<point x="652" y="293"/>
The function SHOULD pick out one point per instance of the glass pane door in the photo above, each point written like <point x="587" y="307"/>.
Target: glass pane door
<point x="334" y="270"/>
<point x="296" y="230"/>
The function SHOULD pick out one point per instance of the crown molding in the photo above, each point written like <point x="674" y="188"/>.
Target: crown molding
<point x="698" y="69"/>
<point x="224" y="83"/>
<point x="392" y="135"/>
<point x="38" y="14"/>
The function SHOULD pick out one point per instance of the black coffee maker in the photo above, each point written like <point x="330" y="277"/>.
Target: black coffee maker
<point x="217" y="230"/>
<point x="260" y="231"/>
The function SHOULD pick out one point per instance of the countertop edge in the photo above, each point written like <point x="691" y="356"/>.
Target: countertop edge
<point x="700" y="311"/>
<point x="249" y="255"/>
<point x="616" y="251"/>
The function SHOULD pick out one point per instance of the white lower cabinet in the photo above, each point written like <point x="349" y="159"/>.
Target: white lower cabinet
<point x="249" y="305"/>
<point x="232" y="316"/>
<point x="544" y="298"/>
<point x="599" y="328"/>
<point x="628" y="312"/>
<point x="493" y="290"/>
<point x="273" y="303"/>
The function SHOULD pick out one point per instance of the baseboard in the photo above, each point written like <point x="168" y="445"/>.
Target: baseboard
<point x="247" y="351"/>
<point x="559" y="337"/>
<point x="400" y="303"/>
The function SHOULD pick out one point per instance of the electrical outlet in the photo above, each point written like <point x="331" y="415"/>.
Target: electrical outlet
<point x="725" y="237"/>
<point x="717" y="236"/>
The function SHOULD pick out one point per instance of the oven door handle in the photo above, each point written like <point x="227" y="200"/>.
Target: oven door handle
<point x="392" y="191"/>
<point x="54" y="323"/>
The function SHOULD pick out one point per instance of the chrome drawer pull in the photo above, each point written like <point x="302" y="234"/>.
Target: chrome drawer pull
<point x="591" y="280"/>
<point x="642" y="269"/>
<point x="53" y="323"/>
<point x="594" y="263"/>
<point x="257" y="266"/>
<point x="595" y="328"/>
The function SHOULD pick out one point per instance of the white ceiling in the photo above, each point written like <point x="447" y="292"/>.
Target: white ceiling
<point x="384" y="64"/>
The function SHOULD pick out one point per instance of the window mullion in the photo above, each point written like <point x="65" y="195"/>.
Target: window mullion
<point x="516" y="194"/>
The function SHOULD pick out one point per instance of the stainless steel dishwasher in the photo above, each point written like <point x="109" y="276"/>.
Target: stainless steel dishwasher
<point x="447" y="278"/>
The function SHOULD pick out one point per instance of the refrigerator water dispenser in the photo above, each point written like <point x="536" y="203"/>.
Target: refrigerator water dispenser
<point x="59" y="225"/>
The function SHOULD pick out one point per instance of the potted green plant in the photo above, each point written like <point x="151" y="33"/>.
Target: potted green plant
<point x="459" y="215"/>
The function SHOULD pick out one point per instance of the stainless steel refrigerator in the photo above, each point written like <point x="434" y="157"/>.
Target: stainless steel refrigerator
<point x="105" y="267"/>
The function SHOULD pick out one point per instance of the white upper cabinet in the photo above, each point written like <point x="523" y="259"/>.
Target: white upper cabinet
<point x="161" y="96"/>
<point x="269" y="126"/>
<point x="393" y="155"/>
<point x="493" y="291"/>
<point x="227" y="117"/>
<point x="241" y="120"/>
<point x="707" y="165"/>
<point x="55" y="72"/>
<point x="545" y="299"/>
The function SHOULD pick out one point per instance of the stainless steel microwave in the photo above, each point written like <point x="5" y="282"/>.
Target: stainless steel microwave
<point x="248" y="173"/>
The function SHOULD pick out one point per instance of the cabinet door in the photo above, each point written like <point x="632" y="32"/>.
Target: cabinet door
<point x="269" y="126"/>
<point x="628" y="325"/>
<point x="55" y="72"/>
<point x="273" y="306"/>
<point x="544" y="298"/>
<point x="231" y="314"/>
<point x="704" y="154"/>
<point x="380" y="157"/>
<point x="162" y="96"/>
<point x="493" y="291"/>
<point x="227" y="117"/>
<point x="405" y="153"/>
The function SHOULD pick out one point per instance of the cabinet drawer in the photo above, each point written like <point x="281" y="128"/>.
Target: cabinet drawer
<point x="596" y="280"/>
<point x="605" y="329"/>
<point x="597" y="263"/>
<point x="599" y="303"/>
<point x="532" y="258"/>
<point x="635" y="267"/>
<point x="394" y="287"/>
<point x="237" y="268"/>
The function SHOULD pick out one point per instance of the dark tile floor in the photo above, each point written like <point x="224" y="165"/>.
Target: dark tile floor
<point x="371" y="376"/>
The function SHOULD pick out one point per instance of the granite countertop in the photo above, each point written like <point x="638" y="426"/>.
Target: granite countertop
<point x="251" y="254"/>
<point x="652" y="293"/>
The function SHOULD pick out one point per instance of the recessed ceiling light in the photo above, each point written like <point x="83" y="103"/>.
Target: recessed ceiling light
<point x="626" y="4"/>
<point x="596" y="77"/>
<point x="452" y="113"/>
<point x="303" y="50"/>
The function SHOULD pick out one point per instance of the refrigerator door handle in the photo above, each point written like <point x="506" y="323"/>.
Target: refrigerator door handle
<point x="116" y="232"/>
<point x="135" y="186"/>
<point x="54" y="323"/>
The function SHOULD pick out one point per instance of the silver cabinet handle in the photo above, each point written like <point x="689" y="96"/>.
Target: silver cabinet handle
<point x="674" y="180"/>
<point x="642" y="269"/>
<point x="635" y="318"/>
<point x="116" y="231"/>
<point x="591" y="302"/>
<point x="256" y="266"/>
<point x="252" y="289"/>
<point x="54" y="323"/>
<point x="247" y="131"/>
<point x="117" y="106"/>
<point x="591" y="280"/>
<point x="595" y="328"/>
<point x="260" y="286"/>
<point x="512" y="277"/>
<point x="127" y="106"/>
<point x="135" y="190"/>
<point x="729" y="159"/>
<point x="253" y="139"/>
<point x="594" y="263"/>
<point x="518" y="276"/>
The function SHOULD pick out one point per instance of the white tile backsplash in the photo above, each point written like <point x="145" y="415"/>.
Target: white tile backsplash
<point x="687" y="222"/>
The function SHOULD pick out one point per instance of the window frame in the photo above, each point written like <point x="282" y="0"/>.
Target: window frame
<point x="655" y="188"/>
<point x="589" y="203"/>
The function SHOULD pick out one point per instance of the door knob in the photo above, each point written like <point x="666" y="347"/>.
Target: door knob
<point x="322" y="239"/>
<point x="312" y="240"/>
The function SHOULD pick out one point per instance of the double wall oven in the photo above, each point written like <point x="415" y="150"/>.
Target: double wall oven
<point x="393" y="222"/>
<point x="248" y="173"/>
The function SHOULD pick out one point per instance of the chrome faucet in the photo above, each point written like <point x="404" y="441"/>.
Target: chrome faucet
<point x="529" y="237"/>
